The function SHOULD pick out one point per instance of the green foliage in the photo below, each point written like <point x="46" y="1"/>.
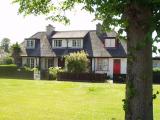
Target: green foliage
<point x="92" y="89"/>
<point x="154" y="96"/>
<point x="5" y="44"/>
<point x="77" y="62"/>
<point x="12" y="71"/>
<point x="15" y="51"/>
<point x="15" y="48"/>
<point x="53" y="71"/>
<point x="156" y="69"/>
<point x="26" y="68"/>
<point x="7" y="60"/>
<point x="36" y="69"/>
<point x="111" y="12"/>
<point x="125" y="104"/>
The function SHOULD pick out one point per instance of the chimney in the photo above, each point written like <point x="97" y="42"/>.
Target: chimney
<point x="99" y="29"/>
<point x="49" y="30"/>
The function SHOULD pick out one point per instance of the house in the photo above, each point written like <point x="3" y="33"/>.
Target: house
<point x="106" y="53"/>
<point x="156" y="62"/>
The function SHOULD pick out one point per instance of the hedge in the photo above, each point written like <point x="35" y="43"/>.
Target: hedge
<point x="13" y="72"/>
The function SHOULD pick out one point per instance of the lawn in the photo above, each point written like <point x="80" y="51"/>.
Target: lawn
<point x="51" y="100"/>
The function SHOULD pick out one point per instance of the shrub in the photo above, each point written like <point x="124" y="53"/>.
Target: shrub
<point x="77" y="62"/>
<point x="26" y="68"/>
<point x="8" y="60"/>
<point x="156" y="69"/>
<point x="53" y="72"/>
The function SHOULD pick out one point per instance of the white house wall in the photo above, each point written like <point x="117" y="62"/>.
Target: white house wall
<point x="55" y="62"/>
<point x="123" y="65"/>
<point x="110" y="70"/>
<point x="24" y="61"/>
<point x="42" y="63"/>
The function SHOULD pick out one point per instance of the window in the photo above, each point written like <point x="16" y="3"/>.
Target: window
<point x="30" y="62"/>
<point x="110" y="43"/>
<point x="102" y="64"/>
<point x="57" y="43"/>
<point x="30" y="44"/>
<point x="50" y="62"/>
<point x="76" y="43"/>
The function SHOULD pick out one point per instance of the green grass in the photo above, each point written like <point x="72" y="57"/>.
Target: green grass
<point x="51" y="100"/>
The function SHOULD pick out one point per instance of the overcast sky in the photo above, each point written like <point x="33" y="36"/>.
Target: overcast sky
<point x="16" y="27"/>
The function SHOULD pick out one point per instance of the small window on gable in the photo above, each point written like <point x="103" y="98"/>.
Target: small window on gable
<point x="76" y="43"/>
<point x="30" y="44"/>
<point x="57" y="43"/>
<point x="110" y="42"/>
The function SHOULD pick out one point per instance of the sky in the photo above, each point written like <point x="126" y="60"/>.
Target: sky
<point x="17" y="27"/>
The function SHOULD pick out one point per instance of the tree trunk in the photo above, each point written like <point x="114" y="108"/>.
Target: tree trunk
<point x="138" y="103"/>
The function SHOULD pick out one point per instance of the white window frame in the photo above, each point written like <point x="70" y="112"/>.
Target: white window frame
<point x="30" y="44"/>
<point x="110" y="42"/>
<point x="76" y="43"/>
<point x="57" y="43"/>
<point x="102" y="64"/>
<point x="30" y="62"/>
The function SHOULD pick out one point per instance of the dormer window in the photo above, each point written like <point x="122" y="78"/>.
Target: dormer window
<point x="57" y="43"/>
<point x="30" y="44"/>
<point x="76" y="43"/>
<point x="110" y="42"/>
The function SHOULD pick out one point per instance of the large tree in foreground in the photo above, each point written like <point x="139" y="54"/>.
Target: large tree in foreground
<point x="138" y="18"/>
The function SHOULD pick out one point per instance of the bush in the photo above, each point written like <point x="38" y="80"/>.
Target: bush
<point x="77" y="62"/>
<point x="156" y="69"/>
<point x="12" y="71"/>
<point x="53" y="72"/>
<point x="8" y="60"/>
<point x="26" y="68"/>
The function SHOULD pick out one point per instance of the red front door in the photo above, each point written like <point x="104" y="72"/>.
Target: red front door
<point x="117" y="66"/>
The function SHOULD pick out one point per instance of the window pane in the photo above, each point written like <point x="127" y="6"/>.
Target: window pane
<point x="76" y="43"/>
<point x="32" y="62"/>
<point x="30" y="43"/>
<point x="28" y="62"/>
<point x="57" y="43"/>
<point x="102" y="64"/>
<point x="50" y="62"/>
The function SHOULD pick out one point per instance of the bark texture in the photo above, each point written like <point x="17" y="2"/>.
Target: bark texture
<point x="139" y="66"/>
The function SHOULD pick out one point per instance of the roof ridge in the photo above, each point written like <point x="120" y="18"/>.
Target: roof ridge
<point x="74" y="31"/>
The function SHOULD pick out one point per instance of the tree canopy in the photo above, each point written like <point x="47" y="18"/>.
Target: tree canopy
<point x="110" y="12"/>
<point x="5" y="44"/>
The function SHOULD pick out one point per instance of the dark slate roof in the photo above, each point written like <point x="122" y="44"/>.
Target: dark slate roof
<point x="92" y="44"/>
<point x="117" y="52"/>
<point x="64" y="51"/>
<point x="70" y="34"/>
<point x="42" y="46"/>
